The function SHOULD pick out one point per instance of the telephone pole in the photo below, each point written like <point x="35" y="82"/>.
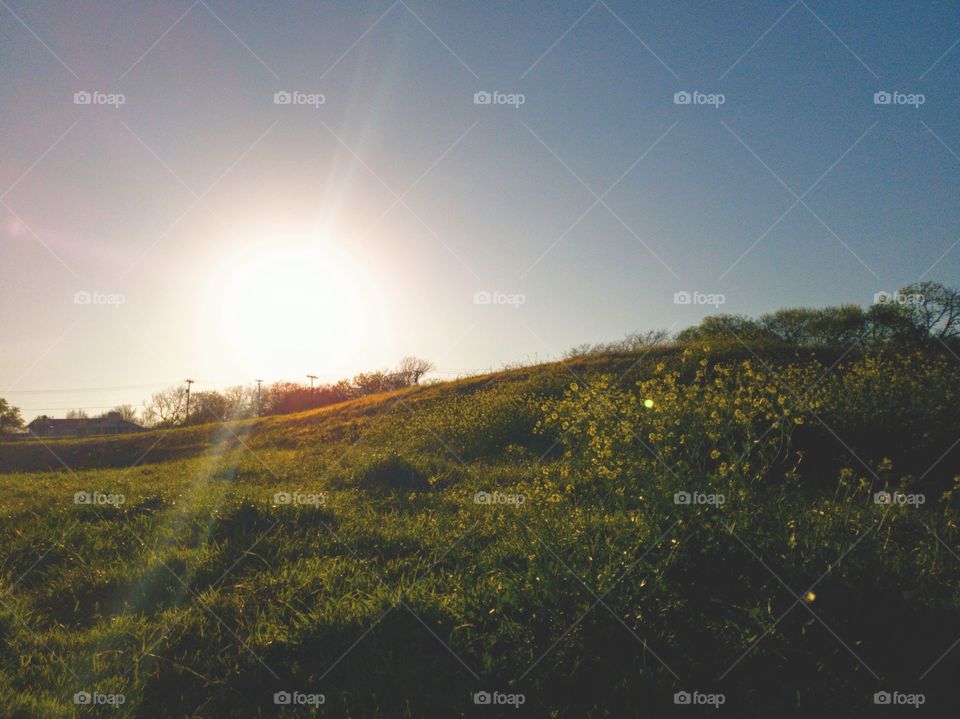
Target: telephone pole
<point x="189" y="382"/>
<point x="258" y="381"/>
<point x="312" y="377"/>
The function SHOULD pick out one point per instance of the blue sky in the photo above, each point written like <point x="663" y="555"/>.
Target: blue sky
<point x="595" y="200"/>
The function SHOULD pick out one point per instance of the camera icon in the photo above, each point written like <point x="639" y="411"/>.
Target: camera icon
<point x="82" y="98"/>
<point x="882" y="698"/>
<point x="282" y="498"/>
<point x="482" y="298"/>
<point x="482" y="98"/>
<point x="682" y="98"/>
<point x="82" y="698"/>
<point x="882" y="98"/>
<point x="482" y="698"/>
<point x="481" y="498"/>
<point x="682" y="298"/>
<point x="82" y="498"/>
<point x="282" y="97"/>
<point x="282" y="698"/>
<point x="82" y="298"/>
<point x="682" y="698"/>
<point x="882" y="498"/>
<point x="682" y="498"/>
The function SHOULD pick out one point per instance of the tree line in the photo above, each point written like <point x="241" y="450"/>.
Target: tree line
<point x="921" y="313"/>
<point x="168" y="407"/>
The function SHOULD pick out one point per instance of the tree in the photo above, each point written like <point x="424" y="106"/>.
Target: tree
<point x="374" y="382"/>
<point x="840" y="326"/>
<point x="126" y="412"/>
<point x="641" y="341"/>
<point x="240" y="401"/>
<point x="207" y="407"/>
<point x="889" y="322"/>
<point x="934" y="308"/>
<point x="10" y="419"/>
<point x="285" y="397"/>
<point x="413" y="368"/>
<point x="166" y="407"/>
<point x="728" y="329"/>
<point x="792" y="326"/>
<point x="42" y="424"/>
<point x="77" y="414"/>
<point x="632" y="342"/>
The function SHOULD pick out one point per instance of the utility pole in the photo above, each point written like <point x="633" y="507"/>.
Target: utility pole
<point x="312" y="377"/>
<point x="189" y="382"/>
<point x="258" y="381"/>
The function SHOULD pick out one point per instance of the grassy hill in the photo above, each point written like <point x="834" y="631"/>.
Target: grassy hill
<point x="594" y="536"/>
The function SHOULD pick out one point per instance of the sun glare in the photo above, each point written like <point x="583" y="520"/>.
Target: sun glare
<point x="289" y="306"/>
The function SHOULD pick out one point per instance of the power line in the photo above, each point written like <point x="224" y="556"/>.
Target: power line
<point x="86" y="389"/>
<point x="56" y="409"/>
<point x="118" y="388"/>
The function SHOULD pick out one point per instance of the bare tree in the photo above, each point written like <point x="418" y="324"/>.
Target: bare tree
<point x="166" y="407"/>
<point x="126" y="412"/>
<point x="413" y="368"/>
<point x="240" y="401"/>
<point x="638" y="341"/>
<point x="934" y="308"/>
<point x="633" y="342"/>
<point x="77" y="414"/>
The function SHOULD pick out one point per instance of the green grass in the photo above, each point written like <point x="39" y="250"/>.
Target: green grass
<point x="397" y="595"/>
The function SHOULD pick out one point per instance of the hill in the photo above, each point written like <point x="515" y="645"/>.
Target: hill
<point x="774" y="529"/>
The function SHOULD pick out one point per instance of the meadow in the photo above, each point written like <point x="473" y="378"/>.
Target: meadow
<point x="765" y="532"/>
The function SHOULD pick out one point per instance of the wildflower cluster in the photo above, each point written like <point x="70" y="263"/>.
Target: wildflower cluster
<point x="720" y="420"/>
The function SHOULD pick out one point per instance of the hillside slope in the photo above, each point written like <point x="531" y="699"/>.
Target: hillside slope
<point x="582" y="537"/>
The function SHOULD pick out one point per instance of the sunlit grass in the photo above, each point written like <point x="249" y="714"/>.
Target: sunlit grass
<point x="193" y="592"/>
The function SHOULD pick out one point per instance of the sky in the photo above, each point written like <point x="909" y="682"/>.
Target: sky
<point x="477" y="183"/>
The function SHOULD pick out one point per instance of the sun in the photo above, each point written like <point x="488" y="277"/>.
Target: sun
<point x="289" y="306"/>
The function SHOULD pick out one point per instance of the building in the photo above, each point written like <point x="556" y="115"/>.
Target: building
<point x="110" y="423"/>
